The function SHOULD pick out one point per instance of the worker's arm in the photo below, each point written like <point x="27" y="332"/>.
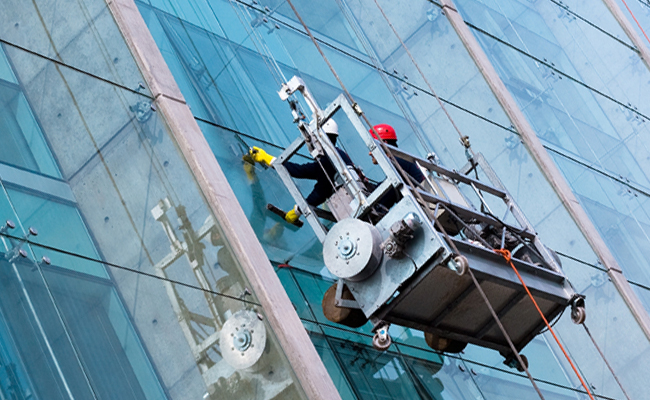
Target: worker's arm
<point x="411" y="169"/>
<point x="310" y="170"/>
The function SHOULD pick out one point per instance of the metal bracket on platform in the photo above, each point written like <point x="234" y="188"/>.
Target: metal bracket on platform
<point x="340" y="301"/>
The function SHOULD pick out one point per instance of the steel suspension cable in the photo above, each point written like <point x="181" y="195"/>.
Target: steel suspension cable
<point x="419" y="197"/>
<point x="463" y="138"/>
<point x="439" y="225"/>
<point x="508" y="257"/>
<point x="496" y="318"/>
<point x="606" y="362"/>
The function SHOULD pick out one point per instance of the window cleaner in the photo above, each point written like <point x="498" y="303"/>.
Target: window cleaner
<point x="321" y="170"/>
<point x="428" y="262"/>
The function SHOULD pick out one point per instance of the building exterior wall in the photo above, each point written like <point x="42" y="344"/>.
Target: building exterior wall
<point x="85" y="159"/>
<point x="142" y="276"/>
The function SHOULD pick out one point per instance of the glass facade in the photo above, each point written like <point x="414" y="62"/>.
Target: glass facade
<point x="571" y="69"/>
<point x="131" y="288"/>
<point x="118" y="283"/>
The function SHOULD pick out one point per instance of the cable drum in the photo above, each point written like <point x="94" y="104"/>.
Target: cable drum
<point x="352" y="249"/>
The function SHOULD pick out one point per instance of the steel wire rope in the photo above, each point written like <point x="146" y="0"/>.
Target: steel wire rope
<point x="441" y="228"/>
<point x="124" y="268"/>
<point x="426" y="81"/>
<point x="427" y="211"/>
<point x="382" y="73"/>
<point x="387" y="151"/>
<point x="269" y="60"/>
<point x="508" y="257"/>
<point x="606" y="362"/>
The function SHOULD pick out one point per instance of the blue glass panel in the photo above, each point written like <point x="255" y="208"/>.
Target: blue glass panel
<point x="50" y="219"/>
<point x="36" y="338"/>
<point x="619" y="212"/>
<point x="82" y="35"/>
<point x="384" y="375"/>
<point x="608" y="319"/>
<point x="569" y="116"/>
<point x="5" y="69"/>
<point x="334" y="365"/>
<point x="23" y="144"/>
<point x="93" y="320"/>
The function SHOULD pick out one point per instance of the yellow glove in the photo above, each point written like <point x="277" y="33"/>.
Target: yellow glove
<point x="261" y="156"/>
<point x="293" y="215"/>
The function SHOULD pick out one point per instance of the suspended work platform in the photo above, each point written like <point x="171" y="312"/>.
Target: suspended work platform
<point x="419" y="254"/>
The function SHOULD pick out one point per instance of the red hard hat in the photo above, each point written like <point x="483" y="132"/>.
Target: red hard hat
<point x="385" y="132"/>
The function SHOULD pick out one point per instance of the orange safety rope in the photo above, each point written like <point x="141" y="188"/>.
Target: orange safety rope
<point x="635" y="20"/>
<point x="506" y="254"/>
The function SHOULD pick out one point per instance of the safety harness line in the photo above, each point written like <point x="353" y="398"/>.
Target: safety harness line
<point x="418" y="196"/>
<point x="635" y="20"/>
<point x="508" y="257"/>
<point x="465" y="142"/>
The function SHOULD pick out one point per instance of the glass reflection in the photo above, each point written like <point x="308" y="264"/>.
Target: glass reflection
<point x="135" y="204"/>
<point x="82" y="35"/>
<point x="23" y="144"/>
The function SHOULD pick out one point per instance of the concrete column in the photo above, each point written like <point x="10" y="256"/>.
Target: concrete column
<point x="625" y="23"/>
<point x="294" y="340"/>
<point x="546" y="164"/>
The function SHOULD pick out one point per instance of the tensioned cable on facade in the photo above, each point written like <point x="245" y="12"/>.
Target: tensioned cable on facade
<point x="58" y="62"/>
<point x="507" y="256"/>
<point x="400" y="344"/>
<point x="505" y="253"/>
<point x="381" y="69"/>
<point x="586" y="21"/>
<point x="465" y="143"/>
<point x="113" y="265"/>
<point x="433" y="218"/>
<point x="555" y="69"/>
<point x="463" y="138"/>
<point x="606" y="362"/>
<point x="419" y="197"/>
